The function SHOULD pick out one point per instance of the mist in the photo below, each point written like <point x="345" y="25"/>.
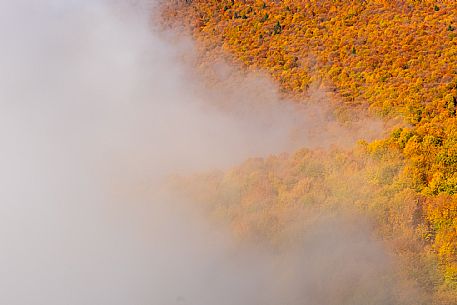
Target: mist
<point x="97" y="109"/>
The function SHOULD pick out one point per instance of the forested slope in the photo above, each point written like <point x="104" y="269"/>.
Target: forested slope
<point x="397" y="59"/>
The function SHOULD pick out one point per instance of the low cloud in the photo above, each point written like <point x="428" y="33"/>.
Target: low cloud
<point x="96" y="109"/>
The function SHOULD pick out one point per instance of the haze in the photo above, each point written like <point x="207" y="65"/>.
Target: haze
<point x="97" y="108"/>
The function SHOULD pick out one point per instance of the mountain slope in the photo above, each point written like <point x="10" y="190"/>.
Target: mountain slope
<point x="398" y="59"/>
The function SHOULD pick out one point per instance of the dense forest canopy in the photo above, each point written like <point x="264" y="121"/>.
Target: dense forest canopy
<point x="395" y="59"/>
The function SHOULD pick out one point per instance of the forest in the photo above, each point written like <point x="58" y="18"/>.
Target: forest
<point x="393" y="60"/>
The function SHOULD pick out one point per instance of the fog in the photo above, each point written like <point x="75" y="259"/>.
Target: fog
<point x="97" y="108"/>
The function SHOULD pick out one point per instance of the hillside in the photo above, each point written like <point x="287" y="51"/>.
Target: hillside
<point x="395" y="59"/>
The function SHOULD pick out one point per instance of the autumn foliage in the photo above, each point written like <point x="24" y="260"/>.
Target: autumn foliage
<point x="397" y="59"/>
